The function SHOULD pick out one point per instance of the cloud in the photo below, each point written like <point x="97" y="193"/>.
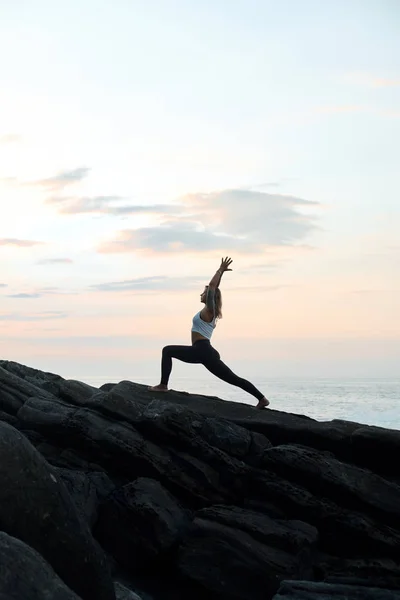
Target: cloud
<point x="43" y="316"/>
<point x="394" y="114"/>
<point x="18" y="242"/>
<point x="40" y="292"/>
<point x="340" y="108"/>
<point x="24" y="295"/>
<point x="9" y="181"/>
<point x="262" y="269"/>
<point x="171" y="237"/>
<point x="55" y="261"/>
<point x="55" y="291"/>
<point x="94" y="341"/>
<point x="9" y="138"/>
<point x="260" y="288"/>
<point x="106" y="205"/>
<point x="62" y="180"/>
<point x="155" y="283"/>
<point x="230" y="220"/>
<point x="3" y="285"/>
<point x="370" y="80"/>
<point x="373" y="291"/>
<point x="343" y="109"/>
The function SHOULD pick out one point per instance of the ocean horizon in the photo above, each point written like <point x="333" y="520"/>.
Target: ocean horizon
<point x="372" y="401"/>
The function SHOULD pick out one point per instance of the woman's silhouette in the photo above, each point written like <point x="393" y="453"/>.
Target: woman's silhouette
<point x="201" y="351"/>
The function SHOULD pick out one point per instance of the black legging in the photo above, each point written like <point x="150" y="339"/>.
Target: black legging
<point x="203" y="353"/>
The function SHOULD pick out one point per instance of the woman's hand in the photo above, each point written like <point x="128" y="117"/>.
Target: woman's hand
<point x="225" y="264"/>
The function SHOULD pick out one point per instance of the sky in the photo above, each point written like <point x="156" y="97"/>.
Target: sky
<point x="142" y="140"/>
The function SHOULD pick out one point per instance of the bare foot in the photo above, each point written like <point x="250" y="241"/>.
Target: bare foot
<point x="263" y="403"/>
<point x="159" y="388"/>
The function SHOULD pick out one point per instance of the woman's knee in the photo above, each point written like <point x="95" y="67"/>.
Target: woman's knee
<point x="166" y="350"/>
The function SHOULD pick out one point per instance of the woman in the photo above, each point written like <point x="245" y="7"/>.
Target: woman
<point x="201" y="351"/>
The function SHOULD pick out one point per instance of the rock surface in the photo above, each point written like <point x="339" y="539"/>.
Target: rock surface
<point x="140" y="522"/>
<point x="178" y="495"/>
<point x="307" y="590"/>
<point x="24" y="574"/>
<point x="36" y="508"/>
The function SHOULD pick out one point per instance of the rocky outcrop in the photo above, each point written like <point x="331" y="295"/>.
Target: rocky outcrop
<point x="36" y="508"/>
<point x="140" y="523"/>
<point x="300" y="590"/>
<point x="24" y="574"/>
<point x="119" y="492"/>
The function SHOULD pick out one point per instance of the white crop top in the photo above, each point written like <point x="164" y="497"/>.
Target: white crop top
<point x="202" y="327"/>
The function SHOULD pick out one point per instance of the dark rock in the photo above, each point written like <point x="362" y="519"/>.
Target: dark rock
<point x="25" y="575"/>
<point x="373" y="572"/>
<point x="308" y="590"/>
<point x="123" y="593"/>
<point x="276" y="478"/>
<point x="106" y="387"/>
<point x="198" y="434"/>
<point x="36" y="508"/>
<point x="118" y="446"/>
<point x="87" y="490"/>
<point x="33" y="436"/>
<point x="10" y="402"/>
<point x="341" y="531"/>
<point x="291" y="536"/>
<point x="67" y="458"/>
<point x="336" y="436"/>
<point x="268" y="508"/>
<point x="8" y="418"/>
<point x="375" y="447"/>
<point x="166" y="422"/>
<point x="230" y="563"/>
<point x="350" y="485"/>
<point x="14" y="390"/>
<point x="28" y="373"/>
<point x="71" y="390"/>
<point x="139" y="522"/>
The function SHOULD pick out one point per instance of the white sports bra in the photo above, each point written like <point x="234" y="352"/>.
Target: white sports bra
<point x="202" y="327"/>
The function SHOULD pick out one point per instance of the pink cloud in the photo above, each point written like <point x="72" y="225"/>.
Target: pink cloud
<point x="18" y="242"/>
<point x="341" y="108"/>
<point x="55" y="261"/>
<point x="10" y="138"/>
<point x="62" y="179"/>
<point x="370" y="80"/>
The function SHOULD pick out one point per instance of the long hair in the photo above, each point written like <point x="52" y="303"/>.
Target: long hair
<point x="218" y="304"/>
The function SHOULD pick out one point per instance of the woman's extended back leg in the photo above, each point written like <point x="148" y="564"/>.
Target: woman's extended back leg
<point x="222" y="371"/>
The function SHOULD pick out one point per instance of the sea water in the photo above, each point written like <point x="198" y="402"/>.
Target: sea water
<point x="369" y="401"/>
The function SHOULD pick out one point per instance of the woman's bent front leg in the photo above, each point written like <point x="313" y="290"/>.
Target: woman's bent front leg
<point x="186" y="354"/>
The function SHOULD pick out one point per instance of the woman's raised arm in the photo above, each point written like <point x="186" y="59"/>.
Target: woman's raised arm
<point x="215" y="281"/>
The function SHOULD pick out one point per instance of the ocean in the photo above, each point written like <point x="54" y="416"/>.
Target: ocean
<point x="369" y="401"/>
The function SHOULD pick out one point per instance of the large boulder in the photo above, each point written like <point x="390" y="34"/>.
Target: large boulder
<point x="25" y="575"/>
<point x="124" y="593"/>
<point x="141" y="522"/>
<point x="87" y="490"/>
<point x="350" y="485"/>
<point x="237" y="554"/>
<point x="341" y="529"/>
<point x="374" y="571"/>
<point x="15" y="389"/>
<point x="36" y="507"/>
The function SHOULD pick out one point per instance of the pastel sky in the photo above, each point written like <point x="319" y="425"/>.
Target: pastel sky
<point x="141" y="140"/>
